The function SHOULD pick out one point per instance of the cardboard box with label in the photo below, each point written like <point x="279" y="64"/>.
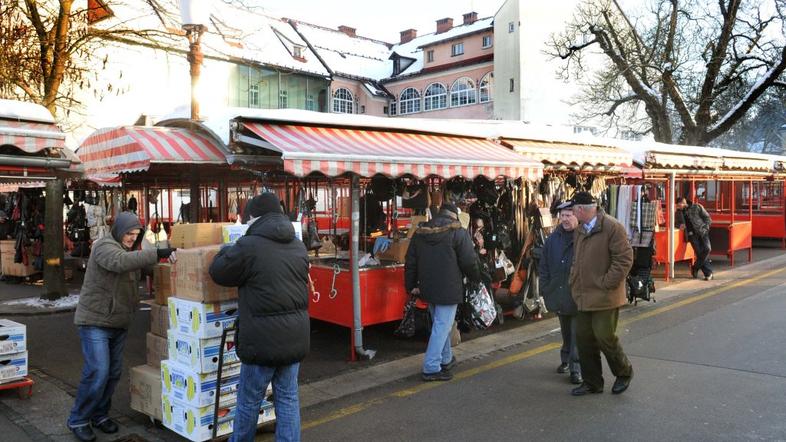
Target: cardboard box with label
<point x="13" y="367"/>
<point x="186" y="385"/>
<point x="163" y="282"/>
<point x="188" y="236"/>
<point x="157" y="349"/>
<point x="200" y="319"/>
<point x="159" y="319"/>
<point x="192" y="276"/>
<point x="145" y="388"/>
<point x="196" y="423"/>
<point x="233" y="232"/>
<point x="200" y="355"/>
<point x="13" y="337"/>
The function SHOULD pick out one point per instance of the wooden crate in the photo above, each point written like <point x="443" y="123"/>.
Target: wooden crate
<point x="7" y="265"/>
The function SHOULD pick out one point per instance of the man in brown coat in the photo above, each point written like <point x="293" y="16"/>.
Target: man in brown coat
<point x="602" y="259"/>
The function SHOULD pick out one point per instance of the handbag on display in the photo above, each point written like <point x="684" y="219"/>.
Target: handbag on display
<point x="482" y="310"/>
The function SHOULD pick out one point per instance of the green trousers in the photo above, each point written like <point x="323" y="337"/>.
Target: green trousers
<point x="596" y="333"/>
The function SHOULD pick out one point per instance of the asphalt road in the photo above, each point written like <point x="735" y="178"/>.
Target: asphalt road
<point x="709" y="367"/>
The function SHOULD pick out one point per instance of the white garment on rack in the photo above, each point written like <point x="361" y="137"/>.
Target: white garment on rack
<point x="624" y="203"/>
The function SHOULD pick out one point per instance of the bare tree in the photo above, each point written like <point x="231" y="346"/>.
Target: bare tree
<point x="692" y="69"/>
<point x="48" y="46"/>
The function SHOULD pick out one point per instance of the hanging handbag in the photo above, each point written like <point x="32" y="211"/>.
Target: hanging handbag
<point x="406" y="329"/>
<point x="482" y="309"/>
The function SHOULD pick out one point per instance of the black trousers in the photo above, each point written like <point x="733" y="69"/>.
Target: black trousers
<point x="596" y="333"/>
<point x="569" y="353"/>
<point x="702" y="247"/>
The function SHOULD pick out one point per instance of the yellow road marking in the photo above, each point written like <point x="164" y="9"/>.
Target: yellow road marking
<point x="406" y="392"/>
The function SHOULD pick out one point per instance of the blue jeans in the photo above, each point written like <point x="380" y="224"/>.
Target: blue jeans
<point x="250" y="394"/>
<point x="438" y="350"/>
<point x="102" y="349"/>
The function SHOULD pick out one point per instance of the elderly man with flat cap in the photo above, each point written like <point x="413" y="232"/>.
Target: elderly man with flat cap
<point x="601" y="261"/>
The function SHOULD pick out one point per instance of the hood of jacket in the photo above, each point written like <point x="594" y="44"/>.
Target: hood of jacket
<point x="124" y="223"/>
<point x="273" y="226"/>
<point x="433" y="231"/>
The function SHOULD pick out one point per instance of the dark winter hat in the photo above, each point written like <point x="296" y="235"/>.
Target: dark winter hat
<point x="583" y="198"/>
<point x="565" y="205"/>
<point x="450" y="210"/>
<point x="262" y="204"/>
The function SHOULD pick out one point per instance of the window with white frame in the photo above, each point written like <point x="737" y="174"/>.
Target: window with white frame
<point x="310" y="103"/>
<point x="409" y="101"/>
<point x="457" y="49"/>
<point x="487" y="41"/>
<point x="436" y="97"/>
<point x="430" y="56"/>
<point x="462" y="92"/>
<point x="283" y="100"/>
<point x="486" y="87"/>
<point x="511" y="27"/>
<point x="253" y="95"/>
<point x="343" y="101"/>
<point x="392" y="108"/>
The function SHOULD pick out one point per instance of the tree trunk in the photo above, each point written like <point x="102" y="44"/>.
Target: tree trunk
<point x="54" y="277"/>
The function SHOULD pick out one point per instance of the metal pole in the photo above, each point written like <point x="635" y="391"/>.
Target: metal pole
<point x="355" y="270"/>
<point x="54" y="277"/>
<point x="671" y="209"/>
<point x="194" y="34"/>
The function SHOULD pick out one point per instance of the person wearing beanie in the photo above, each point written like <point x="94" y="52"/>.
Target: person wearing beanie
<point x="269" y="265"/>
<point x="440" y="255"/>
<point x="107" y="302"/>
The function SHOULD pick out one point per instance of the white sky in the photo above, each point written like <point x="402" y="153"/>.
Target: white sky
<point x="382" y="20"/>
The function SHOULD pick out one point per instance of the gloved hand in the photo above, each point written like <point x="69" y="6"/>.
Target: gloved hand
<point x="381" y="244"/>
<point x="165" y="252"/>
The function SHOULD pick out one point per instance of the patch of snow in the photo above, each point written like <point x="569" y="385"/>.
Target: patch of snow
<point x="22" y="110"/>
<point x="36" y="302"/>
<point x="742" y="100"/>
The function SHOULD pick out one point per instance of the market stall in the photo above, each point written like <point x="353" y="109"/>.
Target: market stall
<point x="348" y="156"/>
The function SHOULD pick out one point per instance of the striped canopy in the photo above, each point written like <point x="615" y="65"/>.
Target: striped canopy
<point x="366" y="152"/>
<point x="31" y="137"/>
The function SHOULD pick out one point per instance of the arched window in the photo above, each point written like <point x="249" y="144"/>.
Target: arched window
<point x="487" y="88"/>
<point x="409" y="102"/>
<point x="436" y="97"/>
<point x="343" y="101"/>
<point x="462" y="92"/>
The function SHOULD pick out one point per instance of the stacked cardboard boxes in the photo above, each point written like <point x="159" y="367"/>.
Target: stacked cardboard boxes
<point x="7" y="265"/>
<point x="13" y="351"/>
<point x="145" y="382"/>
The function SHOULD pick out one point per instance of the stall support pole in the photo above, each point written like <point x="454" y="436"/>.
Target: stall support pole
<point x="194" y="196"/>
<point x="357" y="337"/>
<point x="671" y="210"/>
<point x="54" y="277"/>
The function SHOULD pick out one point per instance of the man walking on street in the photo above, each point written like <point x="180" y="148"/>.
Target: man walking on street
<point x="107" y="302"/>
<point x="440" y="255"/>
<point x="270" y="267"/>
<point x="697" y="222"/>
<point x="554" y="272"/>
<point x="602" y="259"/>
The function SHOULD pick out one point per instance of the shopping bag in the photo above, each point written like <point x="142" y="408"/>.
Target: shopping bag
<point x="482" y="311"/>
<point x="406" y="329"/>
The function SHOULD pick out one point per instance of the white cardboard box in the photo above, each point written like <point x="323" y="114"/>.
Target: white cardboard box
<point x="198" y="354"/>
<point x="186" y="385"/>
<point x="200" y="319"/>
<point x="234" y="232"/>
<point x="13" y="367"/>
<point x="196" y="423"/>
<point x="13" y="337"/>
<point x="145" y="390"/>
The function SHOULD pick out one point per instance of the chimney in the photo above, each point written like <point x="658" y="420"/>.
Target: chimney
<point x="408" y="35"/>
<point x="347" y="30"/>
<point x="444" y="25"/>
<point x="470" y="17"/>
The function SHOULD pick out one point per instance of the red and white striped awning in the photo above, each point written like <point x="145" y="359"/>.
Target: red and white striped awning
<point x="133" y="148"/>
<point x="571" y="154"/>
<point x="31" y="137"/>
<point x="334" y="151"/>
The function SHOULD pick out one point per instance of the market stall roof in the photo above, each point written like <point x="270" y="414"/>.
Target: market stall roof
<point x="570" y="154"/>
<point x="116" y="150"/>
<point x="332" y="151"/>
<point x="28" y="127"/>
<point x="651" y="155"/>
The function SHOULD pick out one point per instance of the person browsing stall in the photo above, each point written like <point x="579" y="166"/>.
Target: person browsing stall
<point x="107" y="302"/>
<point x="554" y="273"/>
<point x="602" y="259"/>
<point x="696" y="222"/>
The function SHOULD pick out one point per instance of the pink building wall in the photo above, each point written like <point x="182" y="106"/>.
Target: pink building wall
<point x="373" y="105"/>
<point x="473" y="48"/>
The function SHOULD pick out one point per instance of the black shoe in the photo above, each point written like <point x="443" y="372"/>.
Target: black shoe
<point x="563" y="368"/>
<point x="438" y="376"/>
<point x="709" y="277"/>
<point x="108" y="426"/>
<point x="84" y="433"/>
<point x="449" y="366"/>
<point x="621" y="384"/>
<point x="694" y="273"/>
<point x="585" y="388"/>
<point x="576" y="379"/>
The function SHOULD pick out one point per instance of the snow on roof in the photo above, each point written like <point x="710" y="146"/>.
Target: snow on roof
<point x="22" y="110"/>
<point x="351" y="56"/>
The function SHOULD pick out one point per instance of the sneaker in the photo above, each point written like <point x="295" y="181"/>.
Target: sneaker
<point x="449" y="366"/>
<point x="563" y="368"/>
<point x="709" y="277"/>
<point x="438" y="376"/>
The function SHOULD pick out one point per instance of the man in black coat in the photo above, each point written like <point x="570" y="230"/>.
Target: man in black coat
<point x="696" y="222"/>
<point x="270" y="267"/>
<point x="440" y="255"/>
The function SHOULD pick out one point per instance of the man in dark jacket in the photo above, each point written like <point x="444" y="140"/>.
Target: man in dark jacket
<point x="270" y="267"/>
<point x="696" y="222"/>
<point x="109" y="298"/>
<point x="438" y="258"/>
<point x="554" y="272"/>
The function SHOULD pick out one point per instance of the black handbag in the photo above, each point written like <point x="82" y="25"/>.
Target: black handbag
<point x="406" y="329"/>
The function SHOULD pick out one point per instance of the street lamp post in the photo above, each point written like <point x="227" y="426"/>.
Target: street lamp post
<point x="194" y="14"/>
